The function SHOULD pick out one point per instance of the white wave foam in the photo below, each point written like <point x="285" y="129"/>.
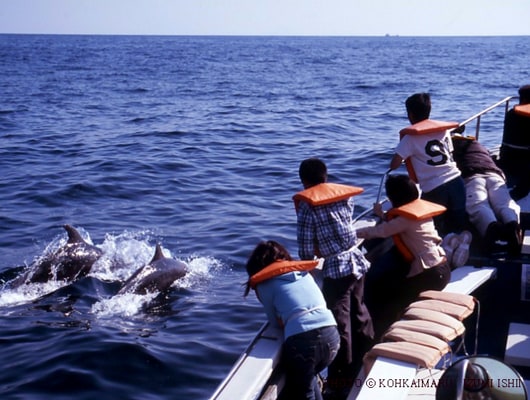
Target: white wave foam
<point x="126" y="305"/>
<point x="27" y="293"/>
<point x="123" y="254"/>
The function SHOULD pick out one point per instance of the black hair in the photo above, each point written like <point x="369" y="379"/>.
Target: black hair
<point x="419" y="106"/>
<point x="401" y="190"/>
<point x="524" y="94"/>
<point x="313" y="171"/>
<point x="264" y="254"/>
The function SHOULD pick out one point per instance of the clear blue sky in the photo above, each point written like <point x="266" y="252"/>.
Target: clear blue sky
<point x="267" y="17"/>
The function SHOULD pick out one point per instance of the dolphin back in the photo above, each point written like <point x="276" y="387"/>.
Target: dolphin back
<point x="73" y="235"/>
<point x="159" y="254"/>
<point x="157" y="276"/>
<point x="69" y="262"/>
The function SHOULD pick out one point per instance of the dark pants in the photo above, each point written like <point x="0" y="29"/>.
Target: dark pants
<point x="345" y="298"/>
<point x="305" y="355"/>
<point x="452" y="195"/>
<point x="384" y="280"/>
<point x="389" y="291"/>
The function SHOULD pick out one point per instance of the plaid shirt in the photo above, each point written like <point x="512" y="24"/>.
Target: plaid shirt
<point x="327" y="231"/>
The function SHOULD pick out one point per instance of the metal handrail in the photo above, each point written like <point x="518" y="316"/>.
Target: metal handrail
<point x="379" y="191"/>
<point x="477" y="116"/>
<point x="383" y="178"/>
<point x="505" y="101"/>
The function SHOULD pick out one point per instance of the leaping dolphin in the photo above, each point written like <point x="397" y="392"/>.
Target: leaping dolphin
<point x="68" y="263"/>
<point x="158" y="275"/>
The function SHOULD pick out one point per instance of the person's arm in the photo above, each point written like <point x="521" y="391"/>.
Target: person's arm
<point x="266" y="298"/>
<point x="383" y="230"/>
<point x="396" y="161"/>
<point x="305" y="232"/>
<point x="378" y="210"/>
<point x="402" y="151"/>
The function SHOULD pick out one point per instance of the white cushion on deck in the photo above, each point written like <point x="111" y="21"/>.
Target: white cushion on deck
<point x="466" y="279"/>
<point x="525" y="249"/>
<point x="518" y="345"/>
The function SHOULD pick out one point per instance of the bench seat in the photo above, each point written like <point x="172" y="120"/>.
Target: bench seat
<point x="464" y="280"/>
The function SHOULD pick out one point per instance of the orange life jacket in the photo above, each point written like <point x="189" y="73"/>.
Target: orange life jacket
<point x="417" y="210"/>
<point x="280" y="267"/>
<point x="421" y="128"/>
<point x="326" y="193"/>
<point x="522" y="109"/>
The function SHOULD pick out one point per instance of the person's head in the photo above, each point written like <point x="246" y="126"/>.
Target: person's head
<point x="418" y="107"/>
<point x="264" y="254"/>
<point x="312" y="171"/>
<point x="524" y="94"/>
<point x="461" y="144"/>
<point x="400" y="190"/>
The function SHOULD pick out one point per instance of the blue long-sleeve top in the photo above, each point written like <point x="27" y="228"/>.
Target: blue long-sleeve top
<point x="294" y="301"/>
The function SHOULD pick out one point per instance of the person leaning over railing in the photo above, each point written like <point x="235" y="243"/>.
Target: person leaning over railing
<point x="293" y="301"/>
<point x="489" y="205"/>
<point x="426" y="148"/>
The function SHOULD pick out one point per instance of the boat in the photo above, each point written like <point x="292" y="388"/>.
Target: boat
<point x="497" y="332"/>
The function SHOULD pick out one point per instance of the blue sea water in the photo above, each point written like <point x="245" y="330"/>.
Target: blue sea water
<point x="193" y="142"/>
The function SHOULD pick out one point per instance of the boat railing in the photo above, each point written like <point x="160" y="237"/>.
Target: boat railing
<point x="478" y="116"/>
<point x="239" y="361"/>
<point x="369" y="211"/>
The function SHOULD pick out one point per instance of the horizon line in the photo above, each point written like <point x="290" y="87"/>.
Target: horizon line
<point x="263" y="34"/>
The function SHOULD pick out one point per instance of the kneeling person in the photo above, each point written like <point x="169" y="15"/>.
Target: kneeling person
<point x="417" y="261"/>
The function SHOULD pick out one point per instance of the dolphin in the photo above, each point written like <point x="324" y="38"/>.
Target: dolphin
<point x="68" y="263"/>
<point x="158" y="275"/>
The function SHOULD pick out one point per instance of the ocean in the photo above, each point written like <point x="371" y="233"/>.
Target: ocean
<point x="192" y="142"/>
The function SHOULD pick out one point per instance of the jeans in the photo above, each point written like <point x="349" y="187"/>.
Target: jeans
<point x="304" y="356"/>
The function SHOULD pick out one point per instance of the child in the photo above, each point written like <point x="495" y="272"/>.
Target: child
<point x="294" y="301"/>
<point x="324" y="229"/>
<point x="418" y="264"/>
<point x="426" y="147"/>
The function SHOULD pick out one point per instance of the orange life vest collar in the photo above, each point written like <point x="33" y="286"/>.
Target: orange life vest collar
<point x="326" y="193"/>
<point x="280" y="267"/>
<point x="427" y="126"/>
<point x="522" y="109"/>
<point x="418" y="210"/>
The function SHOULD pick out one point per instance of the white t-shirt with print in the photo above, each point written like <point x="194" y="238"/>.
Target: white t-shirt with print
<point x="431" y="158"/>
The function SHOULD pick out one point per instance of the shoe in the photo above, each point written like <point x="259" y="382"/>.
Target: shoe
<point x="493" y="235"/>
<point x="335" y="394"/>
<point x="513" y="235"/>
<point x="495" y="244"/>
<point x="449" y="245"/>
<point x="461" y="253"/>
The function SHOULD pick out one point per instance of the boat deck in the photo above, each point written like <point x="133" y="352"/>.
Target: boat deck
<point x="500" y="311"/>
<point x="504" y="305"/>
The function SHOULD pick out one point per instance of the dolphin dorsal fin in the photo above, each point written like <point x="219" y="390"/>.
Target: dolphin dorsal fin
<point x="158" y="253"/>
<point x="73" y="234"/>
